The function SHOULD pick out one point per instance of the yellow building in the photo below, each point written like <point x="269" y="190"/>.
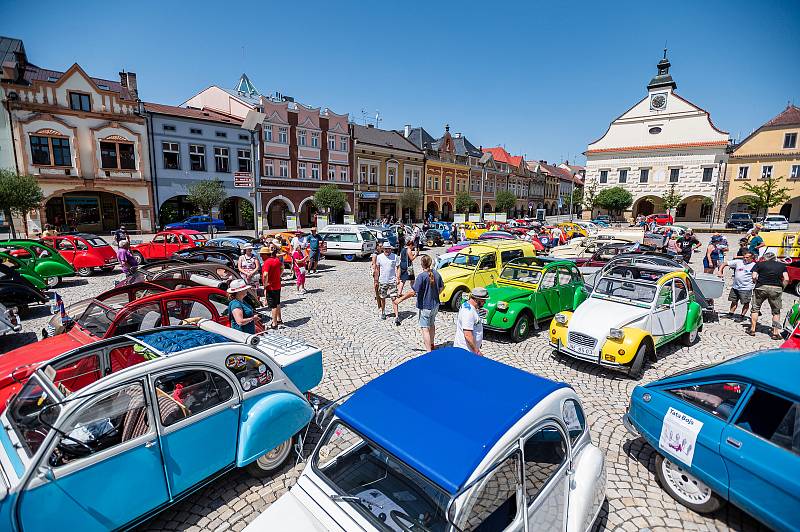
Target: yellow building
<point x="773" y="150"/>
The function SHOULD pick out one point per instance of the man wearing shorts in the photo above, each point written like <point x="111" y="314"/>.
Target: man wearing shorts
<point x="313" y="250"/>
<point x="271" y="272"/>
<point x="387" y="271"/>
<point x="742" y="288"/>
<point x="770" y="277"/>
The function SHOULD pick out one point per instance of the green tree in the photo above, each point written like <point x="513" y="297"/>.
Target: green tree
<point x="504" y="201"/>
<point x="576" y="198"/>
<point x="330" y="199"/>
<point x="614" y="199"/>
<point x="671" y="198"/>
<point x="464" y="202"/>
<point x="589" y="196"/>
<point x="247" y="214"/>
<point x="765" y="196"/>
<point x="19" y="194"/>
<point x="206" y="195"/>
<point x="411" y="199"/>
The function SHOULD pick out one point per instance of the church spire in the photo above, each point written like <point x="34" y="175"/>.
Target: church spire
<point x="662" y="78"/>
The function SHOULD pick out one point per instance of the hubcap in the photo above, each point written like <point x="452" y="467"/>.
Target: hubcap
<point x="523" y="326"/>
<point x="684" y="484"/>
<point x="273" y="458"/>
<point x="52" y="281"/>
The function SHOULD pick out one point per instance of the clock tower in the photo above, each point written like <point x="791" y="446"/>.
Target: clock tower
<point x="661" y="85"/>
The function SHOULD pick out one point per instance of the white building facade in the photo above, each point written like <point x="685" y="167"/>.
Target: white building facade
<point x="662" y="140"/>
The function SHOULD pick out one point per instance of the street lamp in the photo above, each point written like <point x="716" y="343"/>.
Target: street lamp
<point x="485" y="158"/>
<point x="251" y="122"/>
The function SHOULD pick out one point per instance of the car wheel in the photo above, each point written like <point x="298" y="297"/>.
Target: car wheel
<point x="685" y="488"/>
<point x="52" y="282"/>
<point x="138" y="257"/>
<point x="349" y="257"/>
<point x="457" y="299"/>
<point x="267" y="463"/>
<point x="521" y="328"/>
<point x="84" y="272"/>
<point x="637" y="366"/>
<point x="690" y="337"/>
<point x="797" y="288"/>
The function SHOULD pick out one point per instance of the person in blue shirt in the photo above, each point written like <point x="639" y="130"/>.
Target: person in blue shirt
<point x="241" y="314"/>
<point x="313" y="250"/>
<point x="427" y="287"/>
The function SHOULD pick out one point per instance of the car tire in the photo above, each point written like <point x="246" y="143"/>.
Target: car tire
<point x="266" y="464"/>
<point x="84" y="272"/>
<point x="457" y="299"/>
<point x="349" y="257"/>
<point x="690" y="337"/>
<point x="138" y="257"/>
<point x="521" y="328"/>
<point x="797" y="288"/>
<point x="52" y="282"/>
<point x="685" y="488"/>
<point x="637" y="366"/>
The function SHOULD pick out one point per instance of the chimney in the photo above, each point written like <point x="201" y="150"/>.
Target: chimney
<point x="407" y="130"/>
<point x="128" y="80"/>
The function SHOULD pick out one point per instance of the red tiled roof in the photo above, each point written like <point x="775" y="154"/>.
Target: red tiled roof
<point x="663" y="146"/>
<point x="35" y="73"/>
<point x="515" y="160"/>
<point x="500" y="154"/>
<point x="192" y="112"/>
<point x="788" y="117"/>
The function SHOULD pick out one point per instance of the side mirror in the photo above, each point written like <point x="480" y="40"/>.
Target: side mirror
<point x="46" y="473"/>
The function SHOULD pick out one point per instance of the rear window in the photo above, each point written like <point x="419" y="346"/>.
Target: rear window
<point x="717" y="398"/>
<point x="96" y="242"/>
<point x="740" y="216"/>
<point x="198" y="237"/>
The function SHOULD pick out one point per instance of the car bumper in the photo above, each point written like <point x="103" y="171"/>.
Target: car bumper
<point x="626" y="422"/>
<point x="593" y="358"/>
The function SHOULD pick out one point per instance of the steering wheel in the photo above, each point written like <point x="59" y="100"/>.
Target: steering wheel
<point x="416" y="525"/>
<point x="80" y="443"/>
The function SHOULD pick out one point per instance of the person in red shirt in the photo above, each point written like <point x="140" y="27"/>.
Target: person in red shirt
<point x="271" y="272"/>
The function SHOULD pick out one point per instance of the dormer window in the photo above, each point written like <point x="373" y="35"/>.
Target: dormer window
<point x="79" y="101"/>
<point x="103" y="87"/>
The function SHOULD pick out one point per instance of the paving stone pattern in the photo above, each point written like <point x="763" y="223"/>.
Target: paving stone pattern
<point x="339" y="315"/>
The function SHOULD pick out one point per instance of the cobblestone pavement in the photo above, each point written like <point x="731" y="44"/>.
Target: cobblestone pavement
<point x="339" y="315"/>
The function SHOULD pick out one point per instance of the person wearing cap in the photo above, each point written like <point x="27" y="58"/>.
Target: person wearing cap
<point x="314" y="241"/>
<point x="711" y="260"/>
<point x="756" y="243"/>
<point x="242" y="315"/>
<point x="469" y="324"/>
<point x="387" y="271"/>
<point x="120" y="234"/>
<point x="271" y="273"/>
<point x="248" y="265"/>
<point x="742" y="288"/>
<point x="126" y="261"/>
<point x="770" y="277"/>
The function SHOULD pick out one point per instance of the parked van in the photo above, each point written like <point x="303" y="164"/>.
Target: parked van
<point x="348" y="241"/>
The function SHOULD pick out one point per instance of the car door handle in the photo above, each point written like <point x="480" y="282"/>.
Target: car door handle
<point x="149" y="444"/>
<point x="733" y="443"/>
<point x="234" y="407"/>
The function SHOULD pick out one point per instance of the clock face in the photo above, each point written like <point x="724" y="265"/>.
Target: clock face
<point x="658" y="101"/>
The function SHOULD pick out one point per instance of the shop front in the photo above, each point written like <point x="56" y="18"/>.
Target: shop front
<point x="368" y="206"/>
<point x="90" y="212"/>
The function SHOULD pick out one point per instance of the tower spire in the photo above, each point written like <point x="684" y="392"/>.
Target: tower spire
<point x="663" y="78"/>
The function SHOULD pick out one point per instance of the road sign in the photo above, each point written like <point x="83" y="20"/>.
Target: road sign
<point x="242" y="180"/>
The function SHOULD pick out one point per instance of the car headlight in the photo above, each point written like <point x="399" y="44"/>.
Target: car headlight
<point x="616" y="334"/>
<point x="561" y="318"/>
<point x="502" y="305"/>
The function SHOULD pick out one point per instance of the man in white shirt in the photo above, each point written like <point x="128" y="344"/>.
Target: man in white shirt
<point x="469" y="323"/>
<point x="555" y="232"/>
<point x="387" y="271"/>
<point x="743" y="284"/>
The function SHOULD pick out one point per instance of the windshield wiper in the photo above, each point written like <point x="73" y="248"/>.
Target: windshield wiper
<point x="354" y="498"/>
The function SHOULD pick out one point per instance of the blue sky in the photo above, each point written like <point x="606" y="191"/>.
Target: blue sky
<point x="542" y="78"/>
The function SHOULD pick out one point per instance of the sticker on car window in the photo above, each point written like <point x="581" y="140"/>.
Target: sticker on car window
<point x="571" y="417"/>
<point x="679" y="435"/>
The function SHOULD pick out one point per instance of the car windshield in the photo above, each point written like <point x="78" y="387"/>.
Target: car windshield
<point x="31" y="413"/>
<point x="740" y="216"/>
<point x="466" y="261"/>
<point x="96" y="241"/>
<point x="392" y="494"/>
<point x="625" y="289"/>
<point x="520" y="275"/>
<point x="775" y="219"/>
<point x="97" y="318"/>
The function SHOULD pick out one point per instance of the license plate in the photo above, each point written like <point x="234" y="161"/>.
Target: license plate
<point x="582" y="349"/>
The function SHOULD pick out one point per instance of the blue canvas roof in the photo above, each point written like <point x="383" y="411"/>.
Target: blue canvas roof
<point x="776" y="368"/>
<point x="171" y="341"/>
<point x="442" y="412"/>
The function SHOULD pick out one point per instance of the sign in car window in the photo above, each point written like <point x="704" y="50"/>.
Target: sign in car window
<point x="679" y="435"/>
<point x="249" y="371"/>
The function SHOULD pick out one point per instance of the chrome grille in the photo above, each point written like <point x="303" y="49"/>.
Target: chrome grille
<point x="582" y="339"/>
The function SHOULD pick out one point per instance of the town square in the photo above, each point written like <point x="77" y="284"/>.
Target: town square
<point x="242" y="294"/>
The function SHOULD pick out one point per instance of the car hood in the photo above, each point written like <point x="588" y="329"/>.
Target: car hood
<point x="507" y="292"/>
<point x="287" y="509"/>
<point x="596" y="316"/>
<point x="455" y="272"/>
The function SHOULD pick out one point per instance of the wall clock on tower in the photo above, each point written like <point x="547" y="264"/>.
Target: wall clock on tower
<point x="658" y="102"/>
